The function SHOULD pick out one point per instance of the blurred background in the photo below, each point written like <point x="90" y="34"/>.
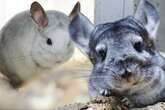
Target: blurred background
<point x="71" y="83"/>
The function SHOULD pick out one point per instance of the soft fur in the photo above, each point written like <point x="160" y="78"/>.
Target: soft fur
<point x="125" y="61"/>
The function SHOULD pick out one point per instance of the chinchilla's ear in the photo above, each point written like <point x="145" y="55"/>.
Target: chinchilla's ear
<point x="147" y="14"/>
<point x="38" y="15"/>
<point x="80" y="28"/>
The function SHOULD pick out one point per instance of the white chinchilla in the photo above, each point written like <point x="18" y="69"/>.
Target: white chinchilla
<point x="33" y="42"/>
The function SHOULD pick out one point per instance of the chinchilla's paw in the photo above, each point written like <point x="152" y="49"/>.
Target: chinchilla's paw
<point x="126" y="102"/>
<point x="105" y="92"/>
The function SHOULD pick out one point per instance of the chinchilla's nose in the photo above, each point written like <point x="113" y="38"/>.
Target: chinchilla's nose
<point x="127" y="74"/>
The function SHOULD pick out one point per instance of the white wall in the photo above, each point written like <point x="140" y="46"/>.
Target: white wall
<point x="8" y="8"/>
<point x="112" y="10"/>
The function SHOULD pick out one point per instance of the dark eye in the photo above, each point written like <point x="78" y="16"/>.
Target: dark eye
<point x="93" y="60"/>
<point x="138" y="46"/>
<point x="101" y="51"/>
<point x="49" y="41"/>
<point x="102" y="54"/>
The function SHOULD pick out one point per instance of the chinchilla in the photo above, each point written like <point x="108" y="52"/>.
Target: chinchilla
<point x="126" y="63"/>
<point x="34" y="42"/>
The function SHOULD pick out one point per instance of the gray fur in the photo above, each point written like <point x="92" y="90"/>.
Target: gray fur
<point x="24" y="52"/>
<point x="147" y="14"/>
<point x="125" y="61"/>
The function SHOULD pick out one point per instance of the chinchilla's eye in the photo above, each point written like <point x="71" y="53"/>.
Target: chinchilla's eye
<point x="93" y="60"/>
<point x="138" y="46"/>
<point x="49" y="41"/>
<point x="101" y="51"/>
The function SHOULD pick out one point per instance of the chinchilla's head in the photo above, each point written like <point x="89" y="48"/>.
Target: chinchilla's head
<point x="52" y="44"/>
<point x="117" y="50"/>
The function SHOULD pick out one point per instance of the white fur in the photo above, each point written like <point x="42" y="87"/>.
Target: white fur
<point x="23" y="48"/>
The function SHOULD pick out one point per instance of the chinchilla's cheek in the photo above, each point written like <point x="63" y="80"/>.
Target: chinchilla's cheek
<point x="61" y="42"/>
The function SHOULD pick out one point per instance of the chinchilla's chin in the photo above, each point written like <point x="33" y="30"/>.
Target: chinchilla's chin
<point x="136" y="83"/>
<point x="49" y="60"/>
<point x="44" y="60"/>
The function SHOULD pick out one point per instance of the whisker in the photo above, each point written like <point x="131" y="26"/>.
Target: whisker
<point x="85" y="76"/>
<point x="79" y="77"/>
<point x="81" y="71"/>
